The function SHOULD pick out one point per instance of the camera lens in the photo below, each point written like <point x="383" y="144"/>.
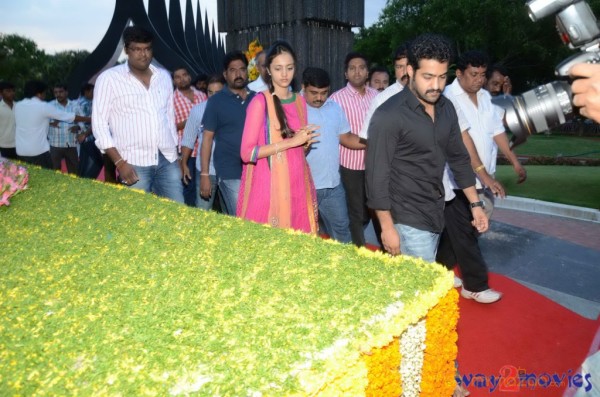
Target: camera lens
<point x="538" y="110"/>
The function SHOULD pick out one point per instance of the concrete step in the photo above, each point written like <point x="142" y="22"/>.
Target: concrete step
<point x="548" y="208"/>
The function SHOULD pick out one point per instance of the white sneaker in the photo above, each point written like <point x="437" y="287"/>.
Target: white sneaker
<point x="457" y="282"/>
<point x="487" y="296"/>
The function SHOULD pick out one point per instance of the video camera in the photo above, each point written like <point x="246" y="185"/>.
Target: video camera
<point x="549" y="105"/>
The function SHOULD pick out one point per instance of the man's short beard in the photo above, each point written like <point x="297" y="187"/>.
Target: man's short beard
<point x="238" y="86"/>
<point x="418" y="95"/>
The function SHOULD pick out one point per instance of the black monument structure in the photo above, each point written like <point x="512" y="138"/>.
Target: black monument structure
<point x="319" y="31"/>
<point x="173" y="45"/>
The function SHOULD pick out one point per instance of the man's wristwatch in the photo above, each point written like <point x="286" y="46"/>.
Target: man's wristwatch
<point x="477" y="204"/>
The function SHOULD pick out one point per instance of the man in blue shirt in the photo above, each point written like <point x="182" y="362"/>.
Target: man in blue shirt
<point x="194" y="131"/>
<point x="223" y="121"/>
<point x="324" y="156"/>
<point x="90" y="157"/>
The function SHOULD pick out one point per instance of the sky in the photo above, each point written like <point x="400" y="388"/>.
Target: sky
<point x="59" y="25"/>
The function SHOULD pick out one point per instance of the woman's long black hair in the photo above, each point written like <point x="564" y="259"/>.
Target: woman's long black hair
<point x="279" y="47"/>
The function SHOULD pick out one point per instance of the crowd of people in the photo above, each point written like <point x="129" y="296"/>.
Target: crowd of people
<point x="415" y="157"/>
<point x="417" y="163"/>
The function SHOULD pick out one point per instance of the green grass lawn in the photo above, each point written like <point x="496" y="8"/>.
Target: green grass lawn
<point x="571" y="185"/>
<point x="554" y="145"/>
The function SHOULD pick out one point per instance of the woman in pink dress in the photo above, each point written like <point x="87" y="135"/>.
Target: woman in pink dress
<point x="277" y="186"/>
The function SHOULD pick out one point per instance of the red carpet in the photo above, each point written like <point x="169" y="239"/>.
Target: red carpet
<point x="524" y="333"/>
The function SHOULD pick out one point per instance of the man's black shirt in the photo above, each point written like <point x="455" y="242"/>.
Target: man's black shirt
<point x="405" y="160"/>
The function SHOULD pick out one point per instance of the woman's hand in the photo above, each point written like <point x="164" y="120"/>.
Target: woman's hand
<point x="305" y="136"/>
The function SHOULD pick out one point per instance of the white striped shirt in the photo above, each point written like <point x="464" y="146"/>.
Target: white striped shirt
<point x="379" y="99"/>
<point x="137" y="121"/>
<point x="356" y="107"/>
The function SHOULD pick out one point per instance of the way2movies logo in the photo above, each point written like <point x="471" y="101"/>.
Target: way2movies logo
<point x="513" y="379"/>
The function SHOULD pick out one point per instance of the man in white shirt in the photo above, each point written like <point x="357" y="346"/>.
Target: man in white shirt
<point x="379" y="78"/>
<point x="7" y="121"/>
<point x="487" y="129"/>
<point x="32" y="117"/>
<point x="133" y="119"/>
<point x="459" y="243"/>
<point x="498" y="81"/>
<point x="259" y="84"/>
<point x="400" y="62"/>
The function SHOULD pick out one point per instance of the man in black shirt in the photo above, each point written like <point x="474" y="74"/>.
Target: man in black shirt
<point x="411" y="137"/>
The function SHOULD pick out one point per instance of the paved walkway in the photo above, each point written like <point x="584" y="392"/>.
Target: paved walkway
<point x="556" y="256"/>
<point x="577" y="231"/>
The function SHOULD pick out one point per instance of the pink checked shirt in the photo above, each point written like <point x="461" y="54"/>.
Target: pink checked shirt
<point x="183" y="107"/>
<point x="356" y="107"/>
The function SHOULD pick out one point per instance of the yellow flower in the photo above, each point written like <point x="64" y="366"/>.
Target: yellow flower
<point x="382" y="365"/>
<point x="437" y="376"/>
<point x="253" y="48"/>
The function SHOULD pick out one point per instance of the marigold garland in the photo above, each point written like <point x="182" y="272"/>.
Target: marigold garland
<point x="253" y="48"/>
<point x="440" y="348"/>
<point x="382" y="365"/>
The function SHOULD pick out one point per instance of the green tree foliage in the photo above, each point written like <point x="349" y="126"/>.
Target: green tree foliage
<point x="21" y="60"/>
<point x="61" y="64"/>
<point x="502" y="28"/>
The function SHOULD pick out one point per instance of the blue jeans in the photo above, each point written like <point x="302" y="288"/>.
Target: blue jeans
<point x="333" y="213"/>
<point x="201" y="202"/>
<point x="90" y="159"/>
<point x="229" y="190"/>
<point x="189" y="191"/>
<point x="163" y="179"/>
<point x="418" y="243"/>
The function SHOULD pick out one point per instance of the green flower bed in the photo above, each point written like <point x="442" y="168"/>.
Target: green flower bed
<point x="105" y="290"/>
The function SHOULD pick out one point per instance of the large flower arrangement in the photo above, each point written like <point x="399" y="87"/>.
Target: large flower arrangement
<point x="105" y="291"/>
<point x="13" y="179"/>
<point x="253" y="48"/>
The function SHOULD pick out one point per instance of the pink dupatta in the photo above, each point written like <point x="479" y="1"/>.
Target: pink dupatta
<point x="280" y="205"/>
